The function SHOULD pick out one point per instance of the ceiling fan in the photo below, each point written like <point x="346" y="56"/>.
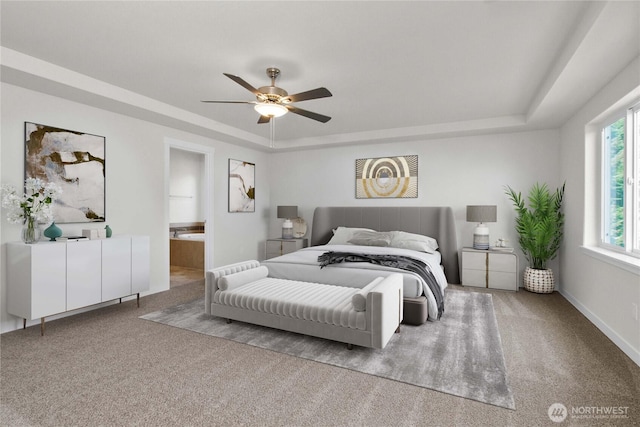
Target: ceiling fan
<point x="272" y="101"/>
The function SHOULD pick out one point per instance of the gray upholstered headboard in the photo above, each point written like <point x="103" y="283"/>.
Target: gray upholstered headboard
<point x="433" y="221"/>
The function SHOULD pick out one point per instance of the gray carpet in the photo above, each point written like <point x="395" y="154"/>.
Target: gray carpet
<point x="459" y="355"/>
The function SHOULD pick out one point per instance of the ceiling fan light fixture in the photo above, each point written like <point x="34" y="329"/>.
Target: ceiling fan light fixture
<point x="269" y="109"/>
<point x="272" y="101"/>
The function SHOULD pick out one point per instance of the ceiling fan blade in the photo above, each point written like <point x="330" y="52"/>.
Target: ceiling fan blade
<point x="243" y="83"/>
<point x="263" y="119"/>
<point x="309" y="114"/>
<point x="321" y="92"/>
<point x="230" y="102"/>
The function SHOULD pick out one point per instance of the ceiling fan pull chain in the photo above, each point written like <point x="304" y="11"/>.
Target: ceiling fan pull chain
<point x="272" y="133"/>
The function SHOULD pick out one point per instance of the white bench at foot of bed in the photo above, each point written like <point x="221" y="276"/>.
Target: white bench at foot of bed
<point x="367" y="317"/>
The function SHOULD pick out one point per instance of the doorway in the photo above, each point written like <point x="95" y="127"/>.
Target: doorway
<point x="189" y="210"/>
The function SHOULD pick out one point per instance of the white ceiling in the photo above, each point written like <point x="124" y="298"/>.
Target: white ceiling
<point x="397" y="70"/>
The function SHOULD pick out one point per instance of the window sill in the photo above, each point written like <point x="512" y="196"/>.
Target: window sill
<point x="626" y="262"/>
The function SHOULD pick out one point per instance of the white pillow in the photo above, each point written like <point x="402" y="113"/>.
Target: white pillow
<point x="342" y="235"/>
<point x="416" y="242"/>
<point x="359" y="299"/>
<point x="371" y="238"/>
<point x="235" y="280"/>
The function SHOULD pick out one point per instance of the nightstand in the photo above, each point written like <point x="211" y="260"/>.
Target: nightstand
<point x="277" y="247"/>
<point x="493" y="269"/>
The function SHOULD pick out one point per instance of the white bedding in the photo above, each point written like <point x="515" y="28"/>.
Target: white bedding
<point x="303" y="265"/>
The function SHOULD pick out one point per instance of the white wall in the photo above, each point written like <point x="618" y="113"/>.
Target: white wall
<point x="185" y="186"/>
<point x="135" y="182"/>
<point x="452" y="172"/>
<point x="602" y="291"/>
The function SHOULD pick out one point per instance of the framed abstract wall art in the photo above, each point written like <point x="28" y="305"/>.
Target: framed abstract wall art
<point x="73" y="160"/>
<point x="387" y="177"/>
<point x="242" y="186"/>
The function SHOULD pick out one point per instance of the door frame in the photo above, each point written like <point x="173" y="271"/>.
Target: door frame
<point x="207" y="191"/>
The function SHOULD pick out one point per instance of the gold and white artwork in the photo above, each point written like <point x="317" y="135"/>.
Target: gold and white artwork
<point x="242" y="186"/>
<point x="73" y="160"/>
<point x="387" y="177"/>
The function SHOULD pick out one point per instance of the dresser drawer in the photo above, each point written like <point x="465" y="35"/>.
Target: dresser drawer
<point x="502" y="280"/>
<point x="278" y="247"/>
<point x="502" y="262"/>
<point x="476" y="278"/>
<point x="289" y="246"/>
<point x="274" y="247"/>
<point x="474" y="260"/>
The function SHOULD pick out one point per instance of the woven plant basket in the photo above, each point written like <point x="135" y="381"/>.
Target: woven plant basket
<point x="538" y="281"/>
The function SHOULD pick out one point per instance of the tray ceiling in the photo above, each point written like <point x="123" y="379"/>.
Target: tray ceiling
<point x="398" y="70"/>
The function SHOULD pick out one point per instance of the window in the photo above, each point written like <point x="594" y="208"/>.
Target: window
<point x="620" y="230"/>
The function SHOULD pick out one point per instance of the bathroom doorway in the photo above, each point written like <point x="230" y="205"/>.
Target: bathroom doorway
<point x="189" y="209"/>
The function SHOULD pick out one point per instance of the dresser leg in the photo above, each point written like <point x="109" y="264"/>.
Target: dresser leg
<point x="42" y="326"/>
<point x="138" y="300"/>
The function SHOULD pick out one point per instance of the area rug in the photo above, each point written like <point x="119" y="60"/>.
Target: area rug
<point x="460" y="355"/>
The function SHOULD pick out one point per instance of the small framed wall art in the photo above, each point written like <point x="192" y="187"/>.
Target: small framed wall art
<point x="242" y="186"/>
<point x="387" y="177"/>
<point x="73" y="160"/>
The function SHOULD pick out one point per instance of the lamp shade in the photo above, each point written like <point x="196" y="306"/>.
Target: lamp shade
<point x="482" y="213"/>
<point x="287" y="212"/>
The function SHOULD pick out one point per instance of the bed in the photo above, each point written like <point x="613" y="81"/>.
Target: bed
<point x="420" y="302"/>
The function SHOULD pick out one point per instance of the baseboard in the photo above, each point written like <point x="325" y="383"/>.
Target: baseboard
<point x="633" y="353"/>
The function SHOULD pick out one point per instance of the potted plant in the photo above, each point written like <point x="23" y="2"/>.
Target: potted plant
<point x="540" y="230"/>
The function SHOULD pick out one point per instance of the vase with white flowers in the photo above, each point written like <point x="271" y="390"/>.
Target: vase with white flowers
<point x="31" y="208"/>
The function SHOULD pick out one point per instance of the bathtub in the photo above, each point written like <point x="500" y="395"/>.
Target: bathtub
<point x="187" y="250"/>
<point x="192" y="236"/>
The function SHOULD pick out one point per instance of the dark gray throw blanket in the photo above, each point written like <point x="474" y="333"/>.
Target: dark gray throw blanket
<point x="393" y="261"/>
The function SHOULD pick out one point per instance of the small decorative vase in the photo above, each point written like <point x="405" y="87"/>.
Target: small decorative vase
<point x="31" y="231"/>
<point x="539" y="281"/>
<point x="53" y="232"/>
<point x="109" y="232"/>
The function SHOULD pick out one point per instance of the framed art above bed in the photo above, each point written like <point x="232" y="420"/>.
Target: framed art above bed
<point x="387" y="177"/>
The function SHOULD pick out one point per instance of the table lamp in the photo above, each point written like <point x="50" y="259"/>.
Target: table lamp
<point x="481" y="214"/>
<point x="287" y="212"/>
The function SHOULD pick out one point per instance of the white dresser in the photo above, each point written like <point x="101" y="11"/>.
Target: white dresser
<point x="489" y="269"/>
<point x="49" y="278"/>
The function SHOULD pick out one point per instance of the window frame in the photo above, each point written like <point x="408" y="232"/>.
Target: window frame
<point x="631" y="245"/>
<point x="634" y="162"/>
